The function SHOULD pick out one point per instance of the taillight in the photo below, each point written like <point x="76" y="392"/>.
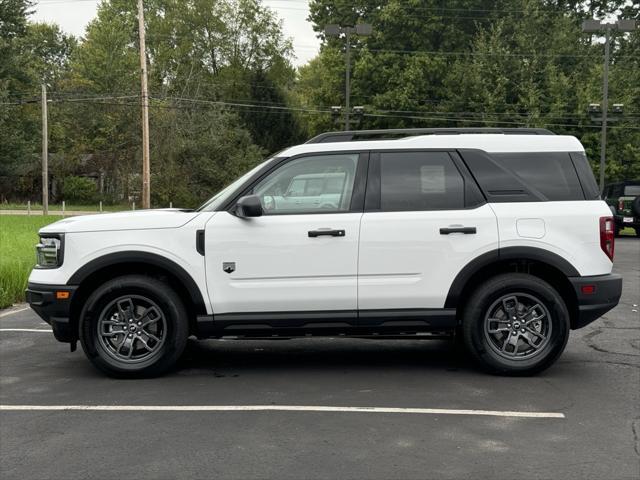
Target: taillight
<point x="620" y="205"/>
<point x="607" y="236"/>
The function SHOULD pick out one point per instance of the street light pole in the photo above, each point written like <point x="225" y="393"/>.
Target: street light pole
<point x="605" y="108"/>
<point x="362" y="29"/>
<point x="596" y="26"/>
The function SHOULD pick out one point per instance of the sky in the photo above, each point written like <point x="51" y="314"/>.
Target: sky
<point x="74" y="15"/>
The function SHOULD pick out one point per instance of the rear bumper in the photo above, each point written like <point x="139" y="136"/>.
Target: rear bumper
<point x="607" y="290"/>
<point x="619" y="219"/>
<point x="56" y="312"/>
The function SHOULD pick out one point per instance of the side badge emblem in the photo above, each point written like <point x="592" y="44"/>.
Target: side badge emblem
<point x="229" y="267"/>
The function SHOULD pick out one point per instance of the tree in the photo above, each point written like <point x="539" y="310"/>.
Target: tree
<point x="207" y="58"/>
<point x="13" y="26"/>
<point x="31" y="54"/>
<point x="479" y="63"/>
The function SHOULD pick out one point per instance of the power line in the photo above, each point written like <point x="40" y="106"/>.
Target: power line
<point x="102" y="99"/>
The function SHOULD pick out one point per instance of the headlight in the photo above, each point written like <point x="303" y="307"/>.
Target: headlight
<point x="49" y="251"/>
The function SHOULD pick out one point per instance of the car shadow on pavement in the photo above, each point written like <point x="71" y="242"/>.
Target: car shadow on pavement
<point x="323" y="354"/>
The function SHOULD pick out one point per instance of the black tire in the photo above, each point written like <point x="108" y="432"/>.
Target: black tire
<point x="111" y="304"/>
<point x="635" y="206"/>
<point x="488" y="348"/>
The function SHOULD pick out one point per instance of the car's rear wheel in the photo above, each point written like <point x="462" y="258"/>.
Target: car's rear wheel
<point x="134" y="326"/>
<point x="516" y="324"/>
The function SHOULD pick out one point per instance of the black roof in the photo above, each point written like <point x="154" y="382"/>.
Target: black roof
<point x="360" y="135"/>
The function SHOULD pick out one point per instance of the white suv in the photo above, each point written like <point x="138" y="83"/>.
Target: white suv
<point x="499" y="236"/>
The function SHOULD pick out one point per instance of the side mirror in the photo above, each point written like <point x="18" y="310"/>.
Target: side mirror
<point x="249" y="206"/>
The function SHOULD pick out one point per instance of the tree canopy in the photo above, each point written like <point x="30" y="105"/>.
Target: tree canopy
<point x="224" y="92"/>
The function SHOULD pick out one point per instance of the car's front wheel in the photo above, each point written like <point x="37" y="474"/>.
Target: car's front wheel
<point x="516" y="324"/>
<point x="134" y="326"/>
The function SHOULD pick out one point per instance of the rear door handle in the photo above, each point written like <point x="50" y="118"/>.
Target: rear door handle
<point x="465" y="230"/>
<point x="326" y="231"/>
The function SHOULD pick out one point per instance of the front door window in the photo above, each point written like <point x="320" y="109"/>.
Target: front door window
<point x="317" y="184"/>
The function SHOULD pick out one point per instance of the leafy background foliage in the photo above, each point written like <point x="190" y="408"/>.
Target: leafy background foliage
<point x="224" y="92"/>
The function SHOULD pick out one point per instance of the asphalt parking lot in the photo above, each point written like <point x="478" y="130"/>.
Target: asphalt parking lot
<point x="593" y="393"/>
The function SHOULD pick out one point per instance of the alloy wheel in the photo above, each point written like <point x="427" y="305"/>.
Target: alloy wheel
<point x="517" y="326"/>
<point x="132" y="329"/>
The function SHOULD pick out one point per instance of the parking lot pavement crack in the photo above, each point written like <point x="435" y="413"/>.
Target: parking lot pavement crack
<point x="600" y="362"/>
<point x="589" y="340"/>
<point x="635" y="428"/>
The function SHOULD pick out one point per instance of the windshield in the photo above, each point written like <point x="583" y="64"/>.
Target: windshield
<point x="632" y="191"/>
<point x="223" y="195"/>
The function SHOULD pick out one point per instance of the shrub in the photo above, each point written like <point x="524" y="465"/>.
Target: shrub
<point x="79" y="190"/>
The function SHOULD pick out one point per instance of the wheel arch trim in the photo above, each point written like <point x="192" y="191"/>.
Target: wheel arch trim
<point x="138" y="257"/>
<point x="508" y="253"/>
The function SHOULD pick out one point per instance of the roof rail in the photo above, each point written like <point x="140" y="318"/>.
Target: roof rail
<point x="359" y="135"/>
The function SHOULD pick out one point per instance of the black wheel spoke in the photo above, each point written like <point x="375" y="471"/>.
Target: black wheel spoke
<point x="509" y="304"/>
<point x="503" y="325"/>
<point x="537" y="334"/>
<point x="150" y="316"/>
<point x="152" y="336"/>
<point x="125" y="309"/>
<point x="145" y="344"/>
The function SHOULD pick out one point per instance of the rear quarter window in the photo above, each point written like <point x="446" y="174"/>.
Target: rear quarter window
<point x="585" y="174"/>
<point x="551" y="174"/>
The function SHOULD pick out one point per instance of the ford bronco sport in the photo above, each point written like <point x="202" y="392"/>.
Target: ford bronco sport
<point x="496" y="235"/>
<point x="624" y="200"/>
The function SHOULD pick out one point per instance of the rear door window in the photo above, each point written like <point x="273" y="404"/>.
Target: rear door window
<point x="416" y="181"/>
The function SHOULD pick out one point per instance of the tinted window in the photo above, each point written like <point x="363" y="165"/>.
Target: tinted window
<point x="551" y="174"/>
<point x="413" y="181"/>
<point x="587" y="180"/>
<point x="617" y="190"/>
<point x="318" y="184"/>
<point x="632" y="191"/>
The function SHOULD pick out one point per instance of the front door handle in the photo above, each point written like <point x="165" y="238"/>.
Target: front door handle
<point x="465" y="230"/>
<point x="326" y="231"/>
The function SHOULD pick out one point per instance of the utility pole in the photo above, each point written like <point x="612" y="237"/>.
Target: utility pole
<point x="362" y="29"/>
<point x="45" y="153"/>
<point x="596" y="26"/>
<point x="146" y="168"/>
<point x="347" y="95"/>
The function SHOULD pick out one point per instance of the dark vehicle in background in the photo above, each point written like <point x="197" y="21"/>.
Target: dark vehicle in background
<point x="624" y="200"/>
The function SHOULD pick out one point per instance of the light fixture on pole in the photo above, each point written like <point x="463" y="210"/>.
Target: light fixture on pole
<point x="596" y="26"/>
<point x="362" y="29"/>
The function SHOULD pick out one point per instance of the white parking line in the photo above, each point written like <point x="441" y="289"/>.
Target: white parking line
<point x="39" y="330"/>
<point x="11" y="312"/>
<point x="269" y="408"/>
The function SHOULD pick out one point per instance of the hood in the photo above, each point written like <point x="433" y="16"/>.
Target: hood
<point x="133" y="220"/>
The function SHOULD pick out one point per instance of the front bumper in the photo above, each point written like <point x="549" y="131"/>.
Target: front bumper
<point x="607" y="290"/>
<point x="56" y="312"/>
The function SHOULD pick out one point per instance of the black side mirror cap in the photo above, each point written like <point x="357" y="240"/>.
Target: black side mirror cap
<point x="249" y="206"/>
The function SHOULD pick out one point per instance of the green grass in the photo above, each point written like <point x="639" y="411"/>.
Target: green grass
<point x="627" y="231"/>
<point x="67" y="207"/>
<point x="18" y="236"/>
